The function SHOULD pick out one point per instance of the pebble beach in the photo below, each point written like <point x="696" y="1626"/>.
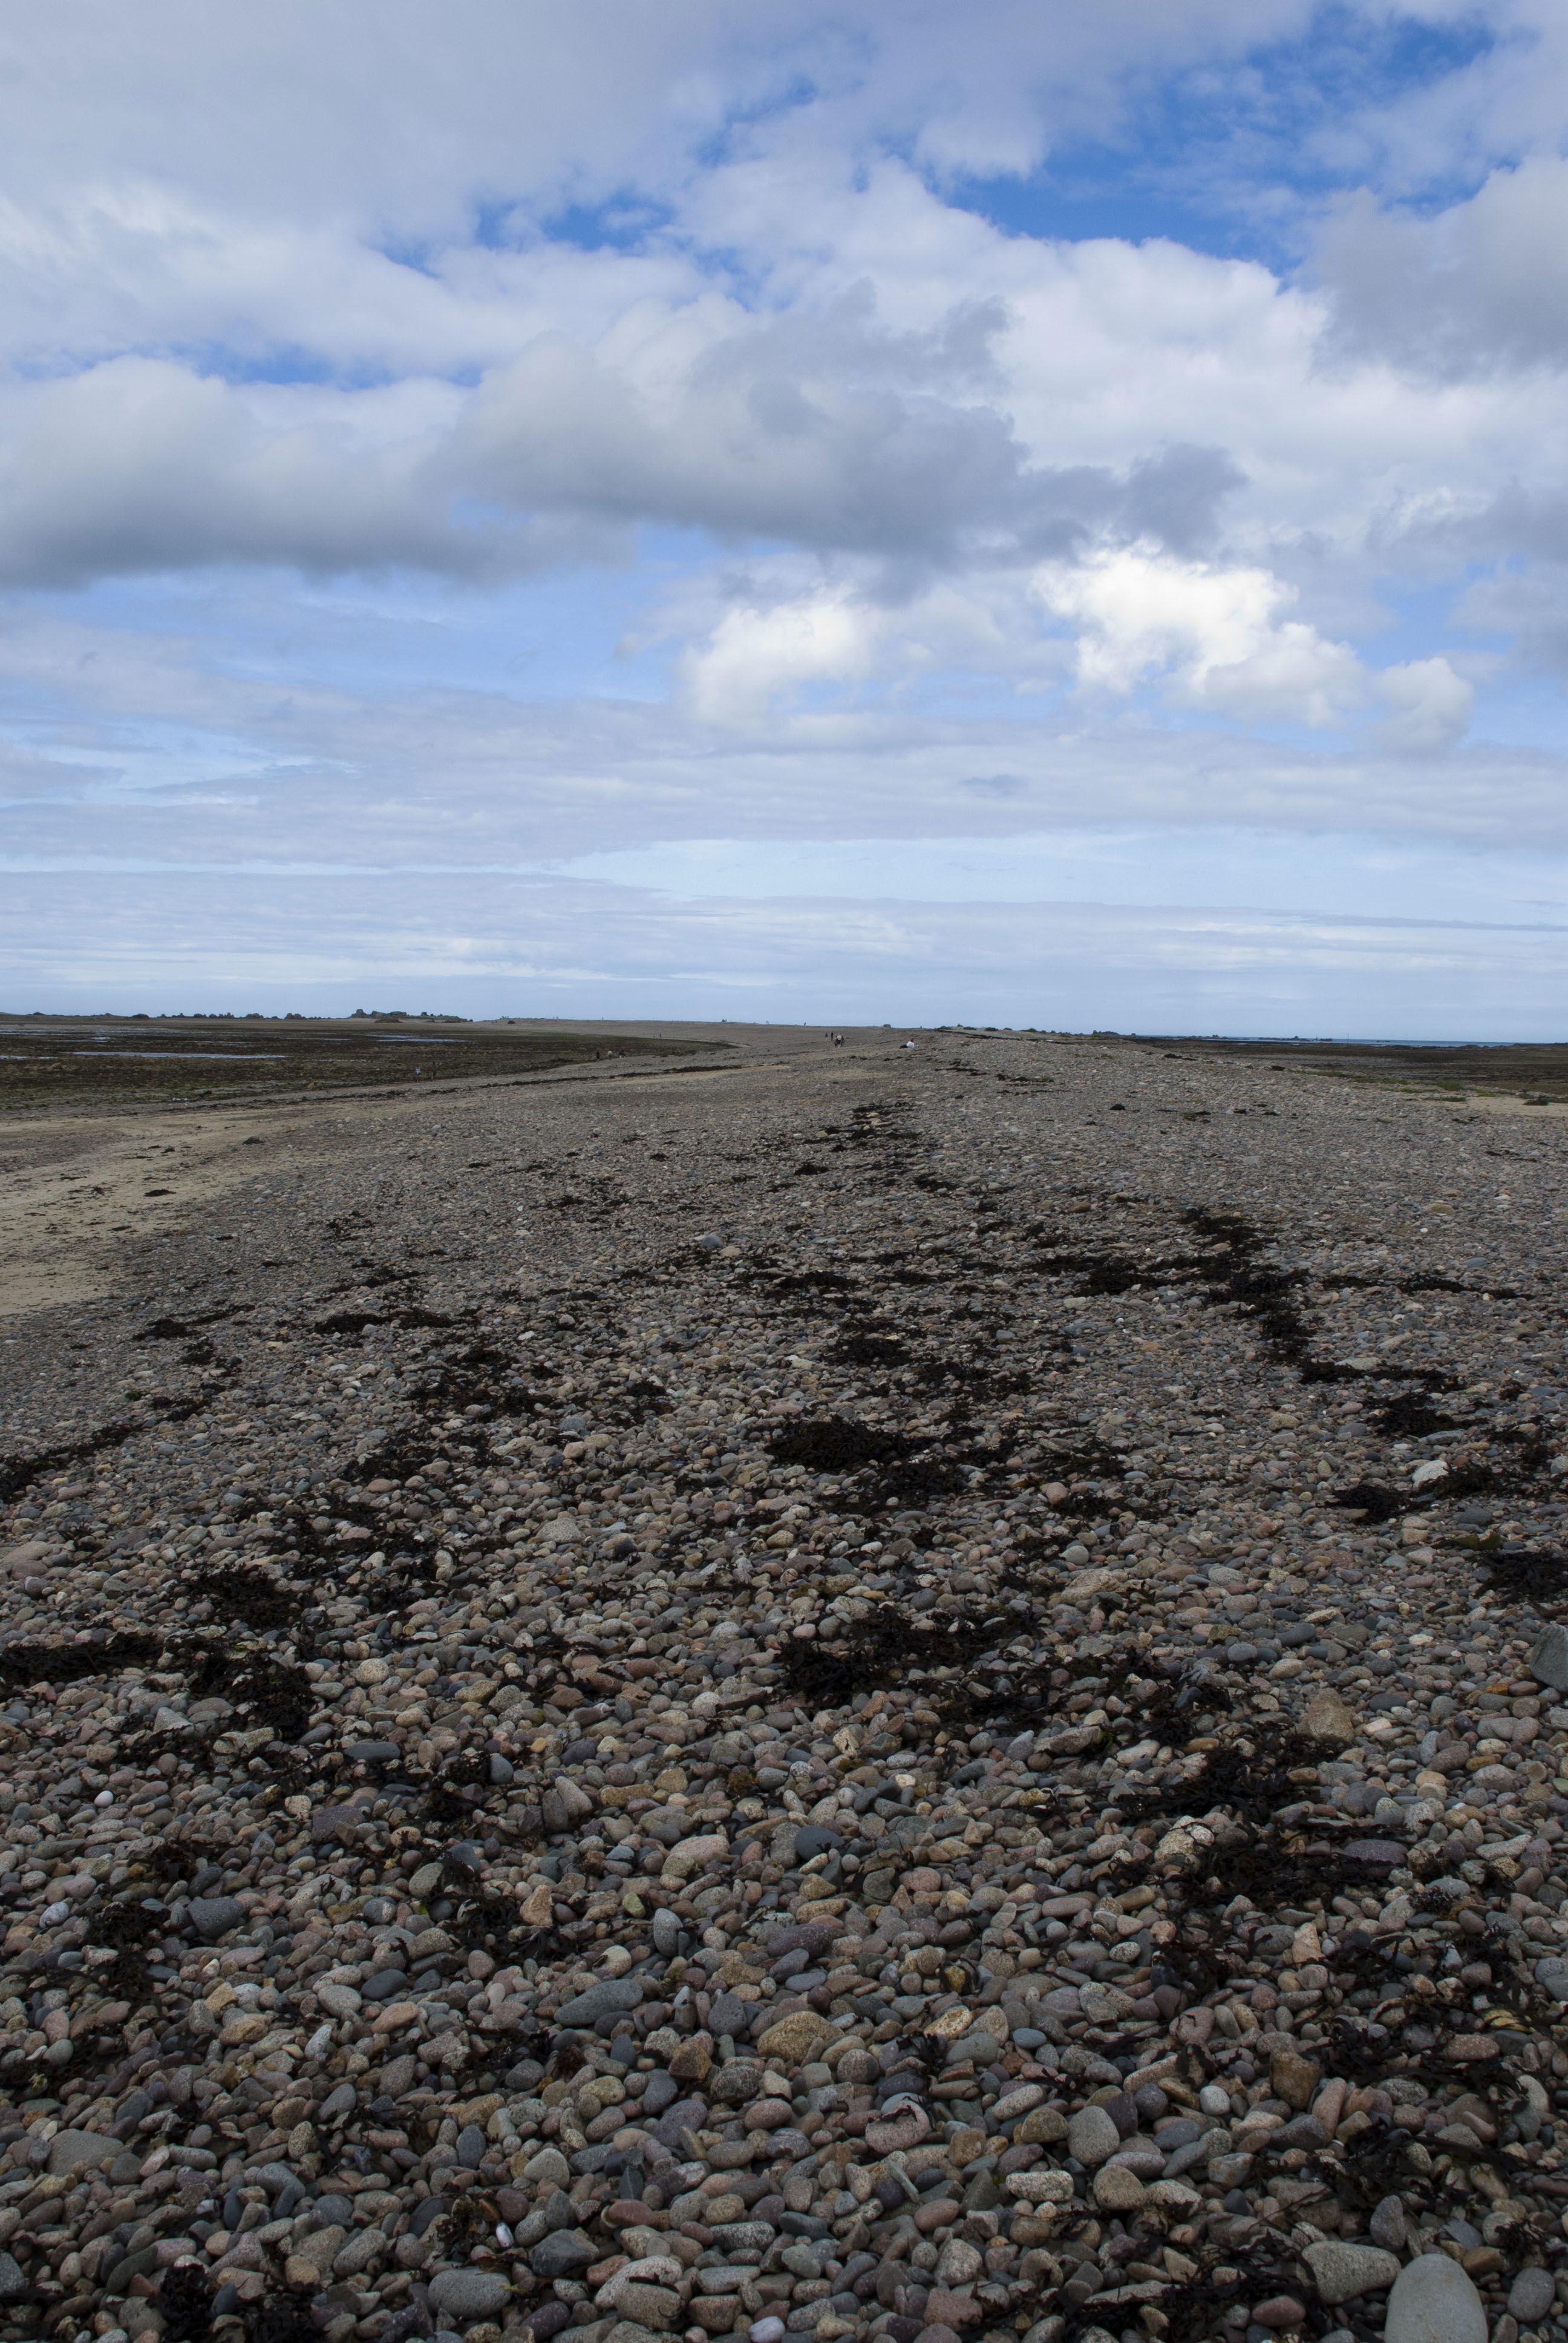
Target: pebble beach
<point x="914" y="1690"/>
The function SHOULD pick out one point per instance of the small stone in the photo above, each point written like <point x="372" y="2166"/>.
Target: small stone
<point x="1092" y="2137"/>
<point x="950" y="2312"/>
<point x="81" y="2151"/>
<point x="794" y="2038"/>
<point x="606" y="1999"/>
<point x="537" y="1905"/>
<point x="656" y="2307"/>
<point x="689" y="1855"/>
<point x="563" y="2254"/>
<point x="1295" y="2079"/>
<point x="666" y="1932"/>
<point x="813" y="1936"/>
<point x="1017" y="2102"/>
<point x="1341" y="2271"/>
<point x="213" y="1916"/>
<point x="313" y="2257"/>
<point x="1041" y="2125"/>
<point x="468" y="2294"/>
<point x="1327" y="1718"/>
<point x="1280" y="2310"/>
<point x="1530" y="2296"/>
<point x="900" y="2132"/>
<point x="424" y="1881"/>
<point x="959" y="2263"/>
<point x="1388" y="2227"/>
<point x="1552" y="1974"/>
<point x="12" y="2281"/>
<point x="1435" y="2302"/>
<point x="1118" y="2190"/>
<point x="1549" y="1660"/>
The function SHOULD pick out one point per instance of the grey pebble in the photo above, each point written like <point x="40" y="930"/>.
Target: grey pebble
<point x="1532" y="2295"/>
<point x="467" y="2294"/>
<point x="1549" y="1658"/>
<point x="1341" y="2271"/>
<point x="563" y="2254"/>
<point x="1092" y="2137"/>
<point x="1387" y="2227"/>
<point x="603" y="2000"/>
<point x="1434" y="2301"/>
<point x="214" y="1916"/>
<point x="665" y="1932"/>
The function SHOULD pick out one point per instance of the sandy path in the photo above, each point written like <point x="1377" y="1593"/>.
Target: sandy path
<point x="78" y="1190"/>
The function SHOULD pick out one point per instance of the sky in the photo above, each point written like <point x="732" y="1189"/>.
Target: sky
<point x="1025" y="514"/>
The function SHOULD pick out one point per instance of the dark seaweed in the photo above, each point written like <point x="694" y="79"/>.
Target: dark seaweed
<point x="282" y="2318"/>
<point x="185" y="2299"/>
<point x="1252" y="1782"/>
<point x="1407" y="1416"/>
<point x="879" y="1650"/>
<point x="252" y="1595"/>
<point x="1372" y="1500"/>
<point x="103" y="1656"/>
<point x="17" y="1473"/>
<point x="836" y="1443"/>
<point x="277" y="1693"/>
<point x="1517" y="1571"/>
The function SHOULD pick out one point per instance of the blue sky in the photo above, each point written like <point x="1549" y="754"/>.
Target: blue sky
<point x="828" y="513"/>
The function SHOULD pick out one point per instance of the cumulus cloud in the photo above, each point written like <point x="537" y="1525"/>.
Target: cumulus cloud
<point x="1217" y="639"/>
<point x="1477" y="289"/>
<point x="453" y="355"/>
<point x="1430" y="706"/>
<point x="754" y="654"/>
<point x="829" y="432"/>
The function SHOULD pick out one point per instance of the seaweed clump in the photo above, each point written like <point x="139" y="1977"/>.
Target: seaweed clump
<point x="93" y="1656"/>
<point x="879" y="1649"/>
<point x="185" y="2299"/>
<point x="836" y="1443"/>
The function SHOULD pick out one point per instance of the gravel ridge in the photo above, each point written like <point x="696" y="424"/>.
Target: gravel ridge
<point x="915" y="1693"/>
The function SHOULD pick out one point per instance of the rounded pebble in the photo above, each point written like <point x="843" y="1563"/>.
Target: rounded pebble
<point x="1434" y="2301"/>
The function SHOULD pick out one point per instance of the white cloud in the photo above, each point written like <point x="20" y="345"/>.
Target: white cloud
<point x="753" y="656"/>
<point x="1216" y="640"/>
<point x="1478" y="289"/>
<point x="1431" y="707"/>
<point x="288" y="320"/>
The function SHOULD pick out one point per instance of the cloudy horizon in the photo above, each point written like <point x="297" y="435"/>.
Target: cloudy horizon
<point x="1028" y="517"/>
